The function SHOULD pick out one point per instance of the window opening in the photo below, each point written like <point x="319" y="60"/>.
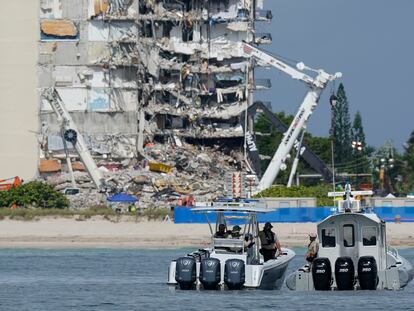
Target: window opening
<point x="369" y="236"/>
<point x="328" y="237"/>
<point x="349" y="239"/>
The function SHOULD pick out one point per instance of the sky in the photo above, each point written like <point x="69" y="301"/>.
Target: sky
<point x="370" y="41"/>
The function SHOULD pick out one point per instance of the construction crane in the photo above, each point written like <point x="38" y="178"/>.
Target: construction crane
<point x="7" y="186"/>
<point x="72" y="135"/>
<point x="315" y="84"/>
<point x="305" y="151"/>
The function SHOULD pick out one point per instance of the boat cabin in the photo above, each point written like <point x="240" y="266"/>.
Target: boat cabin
<point x="353" y="235"/>
<point x="353" y="252"/>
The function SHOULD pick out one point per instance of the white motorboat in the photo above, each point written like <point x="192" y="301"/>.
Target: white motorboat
<point x="231" y="263"/>
<point x="353" y="252"/>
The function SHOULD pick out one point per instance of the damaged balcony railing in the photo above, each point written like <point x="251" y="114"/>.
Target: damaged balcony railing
<point x="267" y="104"/>
<point x="264" y="15"/>
<point x="262" y="38"/>
<point x="173" y="5"/>
<point x="262" y="84"/>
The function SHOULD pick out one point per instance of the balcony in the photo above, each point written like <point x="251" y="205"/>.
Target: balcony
<point x="264" y="15"/>
<point x="262" y="84"/>
<point x="263" y="38"/>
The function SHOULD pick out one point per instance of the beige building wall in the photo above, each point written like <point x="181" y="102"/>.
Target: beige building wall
<point x="19" y="33"/>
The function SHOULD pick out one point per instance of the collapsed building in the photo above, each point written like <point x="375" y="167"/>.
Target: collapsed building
<point x="150" y="81"/>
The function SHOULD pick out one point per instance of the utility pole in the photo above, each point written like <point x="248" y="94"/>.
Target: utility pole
<point x="358" y="147"/>
<point x="333" y="100"/>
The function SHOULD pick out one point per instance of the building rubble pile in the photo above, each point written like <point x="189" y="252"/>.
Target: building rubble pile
<point x="197" y="171"/>
<point x="132" y="73"/>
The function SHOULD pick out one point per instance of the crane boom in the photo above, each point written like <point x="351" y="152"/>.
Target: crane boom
<point x="252" y="51"/>
<point x="69" y="126"/>
<point x="316" y="86"/>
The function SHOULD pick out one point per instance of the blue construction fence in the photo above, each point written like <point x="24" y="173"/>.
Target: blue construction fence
<point x="184" y="215"/>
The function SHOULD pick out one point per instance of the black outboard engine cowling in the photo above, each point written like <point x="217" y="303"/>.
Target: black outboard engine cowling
<point x="234" y="273"/>
<point x="210" y="273"/>
<point x="344" y="273"/>
<point x="367" y="273"/>
<point x="185" y="272"/>
<point x="321" y="273"/>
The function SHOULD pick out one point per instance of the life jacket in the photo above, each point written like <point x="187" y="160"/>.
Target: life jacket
<point x="312" y="256"/>
<point x="269" y="237"/>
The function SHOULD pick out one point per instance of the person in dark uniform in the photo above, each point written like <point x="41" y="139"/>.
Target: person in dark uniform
<point x="221" y="233"/>
<point x="235" y="232"/>
<point x="269" y="241"/>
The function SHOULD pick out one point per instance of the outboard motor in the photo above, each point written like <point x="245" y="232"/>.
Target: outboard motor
<point x="234" y="273"/>
<point x="185" y="272"/>
<point x="367" y="272"/>
<point x="344" y="273"/>
<point x="210" y="273"/>
<point x="321" y="273"/>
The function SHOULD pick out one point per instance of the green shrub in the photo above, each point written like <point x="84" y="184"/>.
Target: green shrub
<point x="98" y="210"/>
<point x="30" y="214"/>
<point x="34" y="194"/>
<point x="319" y="192"/>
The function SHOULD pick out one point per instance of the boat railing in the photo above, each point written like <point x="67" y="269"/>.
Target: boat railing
<point x="393" y="251"/>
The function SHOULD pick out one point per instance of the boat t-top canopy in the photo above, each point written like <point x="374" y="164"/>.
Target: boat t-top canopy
<point x="238" y="209"/>
<point x="234" y="205"/>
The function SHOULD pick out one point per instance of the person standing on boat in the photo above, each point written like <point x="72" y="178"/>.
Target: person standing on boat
<point x="270" y="242"/>
<point x="313" y="248"/>
<point x="235" y="232"/>
<point x="221" y="233"/>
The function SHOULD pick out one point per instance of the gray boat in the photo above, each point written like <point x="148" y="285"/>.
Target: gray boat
<point x="231" y="263"/>
<point x="353" y="252"/>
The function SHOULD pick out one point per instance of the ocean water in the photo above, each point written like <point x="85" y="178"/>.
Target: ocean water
<point x="113" y="279"/>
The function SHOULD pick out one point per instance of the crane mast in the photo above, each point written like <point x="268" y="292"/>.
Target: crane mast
<point x="72" y="135"/>
<point x="316" y="86"/>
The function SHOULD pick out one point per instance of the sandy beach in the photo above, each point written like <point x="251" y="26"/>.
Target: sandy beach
<point x="128" y="233"/>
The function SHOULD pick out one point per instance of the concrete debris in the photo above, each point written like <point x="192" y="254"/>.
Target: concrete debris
<point x="159" y="167"/>
<point x="198" y="171"/>
<point x="157" y="90"/>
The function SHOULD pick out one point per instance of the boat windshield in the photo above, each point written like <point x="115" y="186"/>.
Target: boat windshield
<point x="235" y="233"/>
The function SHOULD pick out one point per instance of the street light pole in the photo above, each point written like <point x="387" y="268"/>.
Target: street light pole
<point x="385" y="165"/>
<point x="333" y="100"/>
<point x="357" y="146"/>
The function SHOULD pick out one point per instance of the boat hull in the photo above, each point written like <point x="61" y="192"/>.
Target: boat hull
<point x="267" y="276"/>
<point x="395" y="277"/>
<point x="405" y="272"/>
<point x="273" y="277"/>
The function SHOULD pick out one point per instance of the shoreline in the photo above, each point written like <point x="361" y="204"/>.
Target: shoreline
<point x="127" y="232"/>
